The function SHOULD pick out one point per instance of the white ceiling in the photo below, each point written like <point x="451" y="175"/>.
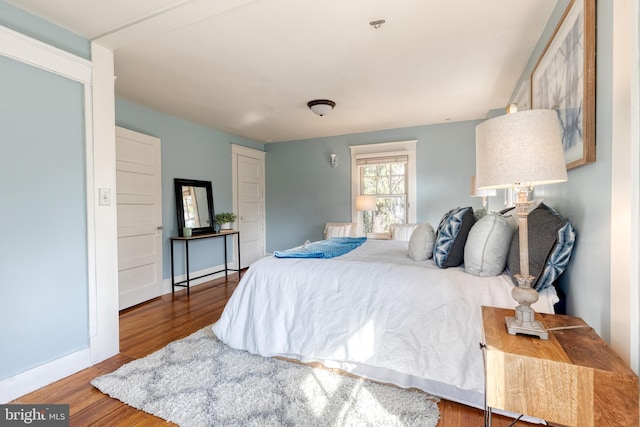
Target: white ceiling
<point x="248" y="67"/>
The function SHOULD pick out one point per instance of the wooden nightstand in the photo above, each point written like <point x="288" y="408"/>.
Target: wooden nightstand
<point x="572" y="379"/>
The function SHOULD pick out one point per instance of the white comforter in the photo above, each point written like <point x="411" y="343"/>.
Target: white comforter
<point x="374" y="312"/>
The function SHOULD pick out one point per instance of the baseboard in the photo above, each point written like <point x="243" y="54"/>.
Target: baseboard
<point x="18" y="385"/>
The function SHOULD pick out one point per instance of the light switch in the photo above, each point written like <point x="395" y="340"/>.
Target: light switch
<point x="104" y="196"/>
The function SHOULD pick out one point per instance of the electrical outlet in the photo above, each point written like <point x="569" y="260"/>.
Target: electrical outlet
<point x="104" y="197"/>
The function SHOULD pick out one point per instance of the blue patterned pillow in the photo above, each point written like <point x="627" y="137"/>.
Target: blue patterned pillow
<point x="559" y="258"/>
<point x="448" y="250"/>
<point x="551" y="241"/>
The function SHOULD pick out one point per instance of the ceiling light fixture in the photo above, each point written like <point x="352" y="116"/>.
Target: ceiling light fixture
<point x="321" y="106"/>
<point x="377" y="24"/>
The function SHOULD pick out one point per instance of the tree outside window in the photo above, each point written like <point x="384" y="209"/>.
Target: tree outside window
<point x="388" y="182"/>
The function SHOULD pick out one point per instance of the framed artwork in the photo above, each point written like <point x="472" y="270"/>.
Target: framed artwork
<point x="564" y="79"/>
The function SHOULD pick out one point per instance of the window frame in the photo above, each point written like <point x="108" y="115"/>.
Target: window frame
<point x="398" y="148"/>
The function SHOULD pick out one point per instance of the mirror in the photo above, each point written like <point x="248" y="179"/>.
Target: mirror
<point x="194" y="205"/>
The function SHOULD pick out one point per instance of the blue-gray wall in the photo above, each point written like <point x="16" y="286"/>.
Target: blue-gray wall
<point x="189" y="151"/>
<point x="43" y="249"/>
<point x="304" y="192"/>
<point x="586" y="198"/>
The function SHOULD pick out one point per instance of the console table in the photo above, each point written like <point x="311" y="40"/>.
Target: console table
<point x="572" y="379"/>
<point x="222" y="233"/>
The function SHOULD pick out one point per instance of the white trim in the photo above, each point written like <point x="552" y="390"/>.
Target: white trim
<point x="247" y="152"/>
<point x="385" y="148"/>
<point x="624" y="184"/>
<point x="91" y="214"/>
<point x="635" y="188"/>
<point x="43" y="375"/>
<point x="102" y="220"/>
<point x="41" y="55"/>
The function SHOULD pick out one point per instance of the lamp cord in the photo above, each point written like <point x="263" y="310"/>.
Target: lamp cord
<point x="515" y="421"/>
<point x="560" y="328"/>
<point x="522" y="415"/>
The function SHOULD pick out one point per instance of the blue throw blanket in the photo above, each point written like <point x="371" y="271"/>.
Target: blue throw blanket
<point x="333" y="247"/>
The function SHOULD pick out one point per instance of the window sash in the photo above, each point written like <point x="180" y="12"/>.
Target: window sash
<point x="376" y="179"/>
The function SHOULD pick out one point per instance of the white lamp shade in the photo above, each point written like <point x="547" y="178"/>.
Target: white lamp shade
<point x="520" y="148"/>
<point x="476" y="192"/>
<point x="366" y="203"/>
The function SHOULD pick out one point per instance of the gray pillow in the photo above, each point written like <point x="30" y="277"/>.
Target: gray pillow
<point x="487" y="247"/>
<point x="551" y="241"/>
<point x="421" y="242"/>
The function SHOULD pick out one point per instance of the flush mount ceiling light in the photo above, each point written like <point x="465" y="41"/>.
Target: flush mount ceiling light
<point x="321" y="106"/>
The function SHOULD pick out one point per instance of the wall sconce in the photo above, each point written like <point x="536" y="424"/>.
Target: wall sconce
<point x="334" y="162"/>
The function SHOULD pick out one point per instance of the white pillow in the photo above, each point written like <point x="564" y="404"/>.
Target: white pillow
<point x="402" y="231"/>
<point x="338" y="231"/>
<point x="487" y="247"/>
<point x="421" y="242"/>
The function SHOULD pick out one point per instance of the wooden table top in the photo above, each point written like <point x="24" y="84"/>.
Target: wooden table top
<point x="579" y="344"/>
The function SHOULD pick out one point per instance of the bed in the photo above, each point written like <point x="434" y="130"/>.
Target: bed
<point x="373" y="312"/>
<point x="398" y="312"/>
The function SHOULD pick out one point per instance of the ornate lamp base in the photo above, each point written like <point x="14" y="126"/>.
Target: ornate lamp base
<point x="517" y="326"/>
<point x="524" y="322"/>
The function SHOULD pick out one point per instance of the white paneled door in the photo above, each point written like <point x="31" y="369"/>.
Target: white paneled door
<point x="249" y="201"/>
<point x="139" y="202"/>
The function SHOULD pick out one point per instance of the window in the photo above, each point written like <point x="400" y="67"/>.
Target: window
<point x="386" y="171"/>
<point x="385" y="178"/>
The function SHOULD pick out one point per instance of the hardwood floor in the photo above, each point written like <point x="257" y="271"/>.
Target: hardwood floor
<point x="152" y="325"/>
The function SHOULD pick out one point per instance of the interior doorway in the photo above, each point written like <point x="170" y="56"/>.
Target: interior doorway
<point x="249" y="202"/>
<point x="139" y="207"/>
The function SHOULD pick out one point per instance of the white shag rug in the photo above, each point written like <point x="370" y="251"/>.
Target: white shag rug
<point x="200" y="381"/>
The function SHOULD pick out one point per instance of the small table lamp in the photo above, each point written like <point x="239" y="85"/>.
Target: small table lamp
<point x="366" y="204"/>
<point x="485" y="194"/>
<point x="520" y="150"/>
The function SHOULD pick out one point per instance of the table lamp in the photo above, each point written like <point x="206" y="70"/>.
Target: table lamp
<point x="521" y="150"/>
<point x="485" y="194"/>
<point x="366" y="204"/>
